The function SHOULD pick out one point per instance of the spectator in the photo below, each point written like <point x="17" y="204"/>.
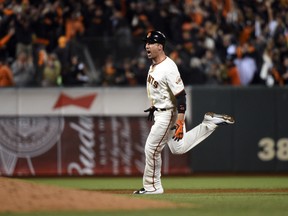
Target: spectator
<point x="23" y="70"/>
<point x="47" y="24"/>
<point x="283" y="69"/>
<point x="123" y="35"/>
<point x="140" y="69"/>
<point x="129" y="73"/>
<point x="211" y="64"/>
<point x="246" y="65"/>
<point x="39" y="65"/>
<point x="275" y="77"/>
<point x="64" y="54"/>
<point x="184" y="68"/>
<point x="6" y="75"/>
<point x="23" y="34"/>
<point x="196" y="76"/>
<point x="247" y="69"/>
<point x="140" y="23"/>
<point x="95" y="21"/>
<point x="227" y="27"/>
<point x="4" y="51"/>
<point x="230" y="74"/>
<point x="52" y="71"/>
<point x="77" y="75"/>
<point x="109" y="72"/>
<point x="267" y="64"/>
<point x="74" y="25"/>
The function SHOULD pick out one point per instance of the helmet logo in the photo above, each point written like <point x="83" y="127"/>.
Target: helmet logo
<point x="149" y="34"/>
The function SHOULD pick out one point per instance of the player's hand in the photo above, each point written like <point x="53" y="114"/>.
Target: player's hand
<point x="151" y="111"/>
<point x="179" y="130"/>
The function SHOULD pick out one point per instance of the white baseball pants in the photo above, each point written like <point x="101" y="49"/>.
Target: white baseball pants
<point x="160" y="135"/>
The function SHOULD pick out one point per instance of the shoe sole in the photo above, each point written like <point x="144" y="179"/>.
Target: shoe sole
<point x="148" y="192"/>
<point x="227" y="119"/>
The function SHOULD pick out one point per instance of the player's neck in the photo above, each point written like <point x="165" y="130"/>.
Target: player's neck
<point x="158" y="59"/>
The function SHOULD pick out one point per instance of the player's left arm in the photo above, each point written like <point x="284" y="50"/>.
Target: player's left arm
<point x="176" y="85"/>
<point x="181" y="108"/>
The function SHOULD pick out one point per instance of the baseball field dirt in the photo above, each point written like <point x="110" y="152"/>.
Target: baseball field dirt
<point x="21" y="196"/>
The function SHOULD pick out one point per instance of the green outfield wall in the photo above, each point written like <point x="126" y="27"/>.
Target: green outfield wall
<point x="259" y="139"/>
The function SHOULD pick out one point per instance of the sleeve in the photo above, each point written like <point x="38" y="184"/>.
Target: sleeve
<point x="174" y="80"/>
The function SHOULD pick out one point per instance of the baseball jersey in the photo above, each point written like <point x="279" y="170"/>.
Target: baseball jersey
<point x="163" y="83"/>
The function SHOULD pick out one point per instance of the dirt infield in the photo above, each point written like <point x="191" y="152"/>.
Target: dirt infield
<point x="20" y="196"/>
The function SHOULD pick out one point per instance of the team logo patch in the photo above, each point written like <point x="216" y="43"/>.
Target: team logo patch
<point x="178" y="80"/>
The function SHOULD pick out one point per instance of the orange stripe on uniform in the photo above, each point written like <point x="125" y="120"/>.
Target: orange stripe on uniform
<point x="154" y="169"/>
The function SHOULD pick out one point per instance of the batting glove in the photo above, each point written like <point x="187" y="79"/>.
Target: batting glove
<point x="151" y="111"/>
<point x="179" y="130"/>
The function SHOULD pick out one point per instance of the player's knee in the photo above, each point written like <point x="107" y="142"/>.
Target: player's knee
<point x="176" y="151"/>
<point x="151" y="152"/>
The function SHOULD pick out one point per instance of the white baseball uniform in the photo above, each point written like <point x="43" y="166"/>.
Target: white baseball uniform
<point x="163" y="83"/>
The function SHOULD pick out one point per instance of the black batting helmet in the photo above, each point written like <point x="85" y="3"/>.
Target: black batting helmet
<point x="155" y="37"/>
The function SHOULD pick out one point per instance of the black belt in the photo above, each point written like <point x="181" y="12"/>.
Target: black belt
<point x="163" y="109"/>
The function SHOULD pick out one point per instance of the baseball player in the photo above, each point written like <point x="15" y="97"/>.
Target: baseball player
<point x="166" y="92"/>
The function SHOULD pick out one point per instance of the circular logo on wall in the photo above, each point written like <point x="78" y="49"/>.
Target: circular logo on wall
<point x="29" y="136"/>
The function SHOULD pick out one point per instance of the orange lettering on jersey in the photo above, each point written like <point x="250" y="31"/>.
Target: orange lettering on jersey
<point x="155" y="84"/>
<point x="151" y="81"/>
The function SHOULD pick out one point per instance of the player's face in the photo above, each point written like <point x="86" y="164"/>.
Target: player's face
<point x="152" y="50"/>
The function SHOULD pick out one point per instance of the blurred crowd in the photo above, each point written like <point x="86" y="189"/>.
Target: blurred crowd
<point x="213" y="42"/>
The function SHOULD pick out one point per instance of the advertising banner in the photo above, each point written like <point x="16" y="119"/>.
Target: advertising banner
<point x="74" y="102"/>
<point x="78" y="146"/>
